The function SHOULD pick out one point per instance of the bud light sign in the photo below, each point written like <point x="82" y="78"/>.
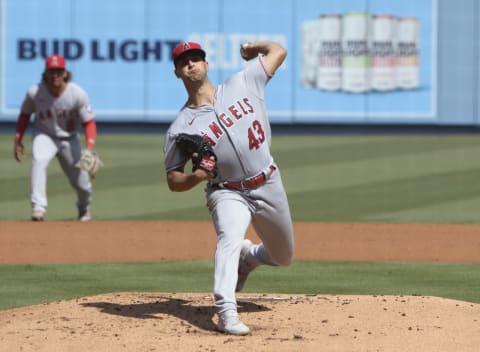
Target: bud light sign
<point x="345" y="62"/>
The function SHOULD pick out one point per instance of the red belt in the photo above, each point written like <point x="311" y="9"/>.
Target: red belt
<point x="249" y="183"/>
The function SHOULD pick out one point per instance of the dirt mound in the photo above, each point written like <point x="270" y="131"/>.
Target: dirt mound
<point x="186" y="322"/>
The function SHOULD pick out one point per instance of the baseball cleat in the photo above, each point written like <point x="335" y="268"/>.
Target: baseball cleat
<point x="230" y="323"/>
<point x="38" y="215"/>
<point x="243" y="267"/>
<point x="84" y="215"/>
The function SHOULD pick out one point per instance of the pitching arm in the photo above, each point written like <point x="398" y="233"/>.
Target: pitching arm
<point x="274" y="54"/>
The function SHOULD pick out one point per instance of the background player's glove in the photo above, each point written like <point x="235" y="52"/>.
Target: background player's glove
<point x="199" y="150"/>
<point x="90" y="162"/>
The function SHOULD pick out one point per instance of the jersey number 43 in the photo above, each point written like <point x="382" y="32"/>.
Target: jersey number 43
<point x="256" y="135"/>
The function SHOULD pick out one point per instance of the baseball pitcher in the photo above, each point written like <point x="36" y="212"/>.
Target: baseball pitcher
<point x="225" y="132"/>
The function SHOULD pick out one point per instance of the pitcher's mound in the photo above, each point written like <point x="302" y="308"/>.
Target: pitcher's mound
<point x="186" y="322"/>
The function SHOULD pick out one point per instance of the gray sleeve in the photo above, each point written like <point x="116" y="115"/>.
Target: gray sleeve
<point x="85" y="110"/>
<point x="257" y="76"/>
<point x="28" y="105"/>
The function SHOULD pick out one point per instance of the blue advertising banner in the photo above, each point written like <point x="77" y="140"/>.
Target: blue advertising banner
<point x="348" y="60"/>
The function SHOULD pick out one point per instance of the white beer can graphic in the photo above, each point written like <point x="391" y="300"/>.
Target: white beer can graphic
<point x="407" y="51"/>
<point x="329" y="71"/>
<point x="382" y="52"/>
<point x="310" y="49"/>
<point x="355" y="61"/>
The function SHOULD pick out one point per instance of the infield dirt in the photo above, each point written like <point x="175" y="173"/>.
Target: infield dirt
<point x="186" y="322"/>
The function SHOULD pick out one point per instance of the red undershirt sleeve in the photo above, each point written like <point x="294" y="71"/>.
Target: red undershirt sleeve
<point x="22" y="124"/>
<point x="90" y="133"/>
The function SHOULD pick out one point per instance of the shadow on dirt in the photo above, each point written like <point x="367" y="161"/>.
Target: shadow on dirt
<point x="200" y="316"/>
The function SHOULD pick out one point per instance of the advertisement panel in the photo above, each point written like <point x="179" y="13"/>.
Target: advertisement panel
<point x="379" y="58"/>
<point x="349" y="60"/>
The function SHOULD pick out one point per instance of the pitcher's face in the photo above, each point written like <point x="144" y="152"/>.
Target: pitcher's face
<point x="191" y="67"/>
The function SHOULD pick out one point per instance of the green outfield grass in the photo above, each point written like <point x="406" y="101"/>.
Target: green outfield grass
<point x="420" y="179"/>
<point x="393" y="179"/>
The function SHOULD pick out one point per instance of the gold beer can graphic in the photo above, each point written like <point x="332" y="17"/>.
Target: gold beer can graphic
<point x="407" y="73"/>
<point x="329" y="70"/>
<point x="382" y="52"/>
<point x="310" y="53"/>
<point x="355" y="60"/>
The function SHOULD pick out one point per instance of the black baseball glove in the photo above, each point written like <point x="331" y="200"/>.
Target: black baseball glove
<point x="199" y="150"/>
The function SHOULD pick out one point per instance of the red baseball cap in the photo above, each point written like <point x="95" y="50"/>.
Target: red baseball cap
<point x="182" y="48"/>
<point x="54" y="61"/>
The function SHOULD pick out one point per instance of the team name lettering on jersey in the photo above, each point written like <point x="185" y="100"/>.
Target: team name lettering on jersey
<point x="59" y="114"/>
<point x="234" y="112"/>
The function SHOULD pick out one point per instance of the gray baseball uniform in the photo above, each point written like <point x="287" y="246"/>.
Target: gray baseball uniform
<point x="56" y="133"/>
<point x="238" y="128"/>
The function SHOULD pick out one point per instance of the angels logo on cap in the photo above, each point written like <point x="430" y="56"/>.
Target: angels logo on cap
<point x="55" y="61"/>
<point x="184" y="47"/>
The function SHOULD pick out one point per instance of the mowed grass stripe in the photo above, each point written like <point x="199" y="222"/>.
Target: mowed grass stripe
<point x="317" y="170"/>
<point x="120" y="177"/>
<point x="362" y="202"/>
<point x="325" y="176"/>
<point x="115" y="150"/>
<point x="359" y="202"/>
<point x="365" y="148"/>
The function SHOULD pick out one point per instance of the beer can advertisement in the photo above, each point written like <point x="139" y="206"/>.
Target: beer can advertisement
<point x="348" y="60"/>
<point x="386" y="64"/>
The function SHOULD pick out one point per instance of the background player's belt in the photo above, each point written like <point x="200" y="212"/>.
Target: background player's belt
<point x="249" y="183"/>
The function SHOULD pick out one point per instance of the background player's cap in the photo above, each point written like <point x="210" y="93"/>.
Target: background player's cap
<point x="55" y="61"/>
<point x="182" y="48"/>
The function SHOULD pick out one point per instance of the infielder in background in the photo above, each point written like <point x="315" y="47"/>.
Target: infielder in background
<point x="245" y="187"/>
<point x="61" y="108"/>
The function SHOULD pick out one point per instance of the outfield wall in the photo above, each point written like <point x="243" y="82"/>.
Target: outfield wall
<point x="349" y="61"/>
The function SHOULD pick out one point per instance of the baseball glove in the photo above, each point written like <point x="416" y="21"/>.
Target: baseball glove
<point x="90" y="162"/>
<point x="199" y="150"/>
